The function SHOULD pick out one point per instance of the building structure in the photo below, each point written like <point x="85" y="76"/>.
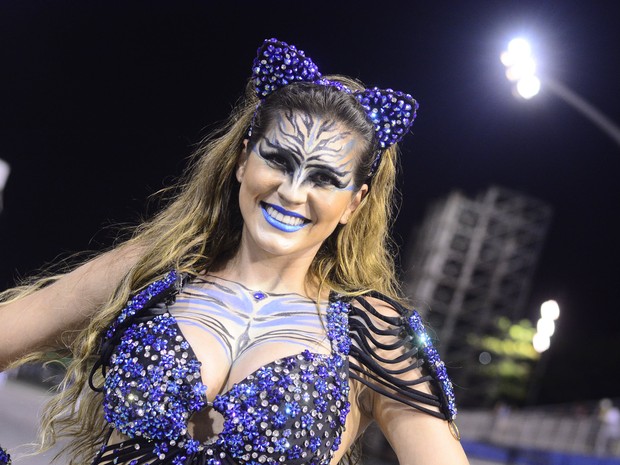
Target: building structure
<point x="472" y="262"/>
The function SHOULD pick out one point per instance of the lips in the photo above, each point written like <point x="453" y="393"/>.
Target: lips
<point x="282" y="219"/>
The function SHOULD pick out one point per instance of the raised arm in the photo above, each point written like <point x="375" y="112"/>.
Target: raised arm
<point x="41" y="320"/>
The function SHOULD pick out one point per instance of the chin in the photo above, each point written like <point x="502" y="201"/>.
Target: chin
<point x="282" y="248"/>
<point x="282" y="244"/>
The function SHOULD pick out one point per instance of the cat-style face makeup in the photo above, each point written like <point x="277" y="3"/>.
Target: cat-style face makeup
<point x="297" y="183"/>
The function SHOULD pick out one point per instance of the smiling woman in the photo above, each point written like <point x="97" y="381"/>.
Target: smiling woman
<point x="298" y="176"/>
<point x="256" y="319"/>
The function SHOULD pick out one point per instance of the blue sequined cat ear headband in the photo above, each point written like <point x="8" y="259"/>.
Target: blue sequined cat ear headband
<point x="278" y="64"/>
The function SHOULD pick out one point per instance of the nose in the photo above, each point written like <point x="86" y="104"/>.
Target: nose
<point x="293" y="191"/>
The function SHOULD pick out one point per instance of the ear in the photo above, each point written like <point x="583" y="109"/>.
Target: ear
<point x="355" y="202"/>
<point x="242" y="161"/>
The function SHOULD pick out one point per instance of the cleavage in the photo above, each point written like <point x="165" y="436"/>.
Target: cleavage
<point x="233" y="335"/>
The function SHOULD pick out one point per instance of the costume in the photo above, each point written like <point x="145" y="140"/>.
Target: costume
<point x="5" y="458"/>
<point x="278" y="64"/>
<point x="292" y="410"/>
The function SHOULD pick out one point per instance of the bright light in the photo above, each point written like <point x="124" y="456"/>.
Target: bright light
<point x="528" y="87"/>
<point x="521" y="68"/>
<point x="4" y="173"/>
<point x="5" y="169"/>
<point x="518" y="59"/>
<point x="506" y="58"/>
<point x="519" y="48"/>
<point x="541" y="342"/>
<point x="550" y="310"/>
<point x="545" y="326"/>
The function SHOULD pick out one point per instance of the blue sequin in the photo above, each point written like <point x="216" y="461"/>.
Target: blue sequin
<point x="5" y="457"/>
<point x="433" y="362"/>
<point x="153" y="386"/>
<point x="294" y="408"/>
<point x="151" y="389"/>
<point x="141" y="299"/>
<point x="277" y="64"/>
<point x="259" y="295"/>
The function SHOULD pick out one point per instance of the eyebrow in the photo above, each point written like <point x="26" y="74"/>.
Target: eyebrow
<point x="314" y="162"/>
<point x="327" y="167"/>
<point x="288" y="152"/>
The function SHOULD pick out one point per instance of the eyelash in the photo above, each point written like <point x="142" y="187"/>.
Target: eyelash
<point x="277" y="161"/>
<point x="318" y="179"/>
<point x="323" y="179"/>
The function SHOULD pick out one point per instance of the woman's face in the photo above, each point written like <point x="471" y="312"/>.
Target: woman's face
<point x="297" y="183"/>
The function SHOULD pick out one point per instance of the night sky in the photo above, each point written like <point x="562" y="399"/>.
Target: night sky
<point x="101" y="103"/>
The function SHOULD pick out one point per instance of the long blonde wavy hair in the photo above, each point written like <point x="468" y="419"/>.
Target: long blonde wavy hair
<point x="200" y="229"/>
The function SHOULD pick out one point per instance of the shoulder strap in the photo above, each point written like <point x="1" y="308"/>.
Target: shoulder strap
<point x="157" y="292"/>
<point x="386" y="349"/>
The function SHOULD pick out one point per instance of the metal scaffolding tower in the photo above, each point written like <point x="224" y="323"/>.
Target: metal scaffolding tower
<point x="472" y="261"/>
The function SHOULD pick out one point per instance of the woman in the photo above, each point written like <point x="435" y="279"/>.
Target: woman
<point x="265" y="324"/>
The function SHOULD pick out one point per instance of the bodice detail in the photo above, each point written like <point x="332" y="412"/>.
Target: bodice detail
<point x="292" y="410"/>
<point x="289" y="411"/>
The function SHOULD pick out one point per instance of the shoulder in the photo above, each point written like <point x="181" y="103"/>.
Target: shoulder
<point x="383" y="318"/>
<point x="394" y="355"/>
<point x="379" y="305"/>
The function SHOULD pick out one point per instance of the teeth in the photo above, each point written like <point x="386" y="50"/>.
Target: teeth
<point x="286" y="219"/>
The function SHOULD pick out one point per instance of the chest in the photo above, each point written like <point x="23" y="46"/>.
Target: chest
<point x="232" y="334"/>
<point x="278" y="368"/>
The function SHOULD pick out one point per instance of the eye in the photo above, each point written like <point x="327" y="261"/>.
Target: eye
<point x="323" y="179"/>
<point x="276" y="161"/>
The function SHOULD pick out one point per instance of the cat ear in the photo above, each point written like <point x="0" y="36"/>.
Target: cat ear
<point x="278" y="64"/>
<point x="392" y="113"/>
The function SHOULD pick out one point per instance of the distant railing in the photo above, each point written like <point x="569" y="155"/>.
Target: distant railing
<point x="577" y="429"/>
<point x="563" y="434"/>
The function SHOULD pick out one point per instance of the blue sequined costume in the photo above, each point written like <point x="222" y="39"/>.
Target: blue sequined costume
<point x="291" y="411"/>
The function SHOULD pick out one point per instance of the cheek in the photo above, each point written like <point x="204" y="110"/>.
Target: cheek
<point x="260" y="179"/>
<point x="332" y="207"/>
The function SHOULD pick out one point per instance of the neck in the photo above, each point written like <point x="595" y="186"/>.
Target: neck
<point x="257" y="269"/>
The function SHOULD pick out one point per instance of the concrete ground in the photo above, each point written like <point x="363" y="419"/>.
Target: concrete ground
<point x="20" y="406"/>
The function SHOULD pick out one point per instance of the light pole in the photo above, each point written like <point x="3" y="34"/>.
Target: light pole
<point x="4" y="175"/>
<point x="545" y="327"/>
<point x="521" y="70"/>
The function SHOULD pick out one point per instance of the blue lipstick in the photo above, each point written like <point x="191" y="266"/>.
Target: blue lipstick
<point x="279" y="224"/>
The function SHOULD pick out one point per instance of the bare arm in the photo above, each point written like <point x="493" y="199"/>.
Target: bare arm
<point x="417" y="437"/>
<point x="38" y="321"/>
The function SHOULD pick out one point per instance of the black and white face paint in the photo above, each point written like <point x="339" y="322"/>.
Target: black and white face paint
<point x="297" y="182"/>
<point x="311" y="150"/>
